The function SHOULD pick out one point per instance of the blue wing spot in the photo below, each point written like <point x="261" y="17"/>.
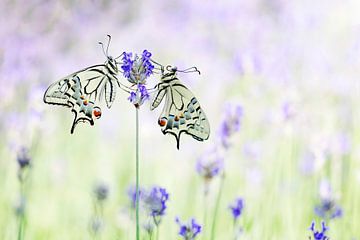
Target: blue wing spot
<point x="170" y="122"/>
<point x="191" y="108"/>
<point x="187" y="115"/>
<point x="182" y="121"/>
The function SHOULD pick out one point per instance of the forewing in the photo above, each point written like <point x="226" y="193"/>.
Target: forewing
<point x="91" y="78"/>
<point x="160" y="93"/>
<point x="110" y="92"/>
<point x="98" y="82"/>
<point x="57" y="93"/>
<point x="182" y="114"/>
<point x="69" y="92"/>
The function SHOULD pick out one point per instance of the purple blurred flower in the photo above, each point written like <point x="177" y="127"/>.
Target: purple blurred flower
<point x="155" y="201"/>
<point x="188" y="230"/>
<point x="319" y="235"/>
<point x="237" y="208"/>
<point x="137" y="69"/>
<point x="328" y="209"/>
<point x="101" y="191"/>
<point x="252" y="150"/>
<point x="341" y="144"/>
<point x="152" y="202"/>
<point x="209" y="165"/>
<point x="132" y="195"/>
<point x="288" y="110"/>
<point x="231" y="124"/>
<point x="23" y="158"/>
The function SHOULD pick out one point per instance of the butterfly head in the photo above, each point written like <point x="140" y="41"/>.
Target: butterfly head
<point x="110" y="61"/>
<point x="169" y="72"/>
<point x="171" y="69"/>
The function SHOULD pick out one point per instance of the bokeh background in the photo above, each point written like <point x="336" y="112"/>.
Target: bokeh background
<point x="292" y="67"/>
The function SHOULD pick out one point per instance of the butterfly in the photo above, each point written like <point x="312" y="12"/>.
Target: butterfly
<point x="80" y="90"/>
<point x="182" y="112"/>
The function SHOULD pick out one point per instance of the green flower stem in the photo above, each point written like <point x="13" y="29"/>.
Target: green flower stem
<point x="21" y="228"/>
<point x="157" y="232"/>
<point x="137" y="176"/>
<point x="213" y="227"/>
<point x="205" y="198"/>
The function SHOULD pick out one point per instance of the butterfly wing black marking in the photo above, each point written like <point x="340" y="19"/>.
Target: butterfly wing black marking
<point x="85" y="86"/>
<point x="98" y="81"/>
<point x="181" y="113"/>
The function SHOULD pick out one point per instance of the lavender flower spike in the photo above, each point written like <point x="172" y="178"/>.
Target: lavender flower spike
<point x="319" y="235"/>
<point x="231" y="124"/>
<point x="237" y="208"/>
<point x="155" y="201"/>
<point x="136" y="69"/>
<point x="189" y="230"/>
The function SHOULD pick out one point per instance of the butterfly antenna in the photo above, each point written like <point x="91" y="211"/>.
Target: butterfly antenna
<point x="107" y="47"/>
<point x="161" y="66"/>
<point x="190" y="70"/>
<point x="102" y="46"/>
<point x="119" y="55"/>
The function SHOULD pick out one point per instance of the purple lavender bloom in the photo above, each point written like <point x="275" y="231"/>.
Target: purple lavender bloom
<point x="140" y="96"/>
<point x="101" y="191"/>
<point x="209" y="165"/>
<point x="188" y="230"/>
<point x="237" y="208"/>
<point x="319" y="235"/>
<point x="328" y="209"/>
<point x="155" y="201"/>
<point x="210" y="169"/>
<point x="23" y="158"/>
<point x="231" y="124"/>
<point x="132" y="97"/>
<point x="132" y="195"/>
<point x="137" y="69"/>
<point x="146" y="55"/>
<point x="144" y="94"/>
<point x="127" y="64"/>
<point x="288" y="111"/>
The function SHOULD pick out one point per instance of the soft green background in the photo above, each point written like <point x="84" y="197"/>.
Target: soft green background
<point x="259" y="54"/>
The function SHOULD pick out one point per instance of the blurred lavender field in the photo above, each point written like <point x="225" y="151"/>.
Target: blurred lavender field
<point x="280" y="77"/>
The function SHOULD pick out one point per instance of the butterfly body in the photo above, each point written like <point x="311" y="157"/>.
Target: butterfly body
<point x="182" y="112"/>
<point x="80" y="90"/>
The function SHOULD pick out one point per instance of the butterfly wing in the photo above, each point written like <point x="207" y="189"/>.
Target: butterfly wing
<point x="181" y="113"/>
<point x="79" y="91"/>
<point x="98" y="81"/>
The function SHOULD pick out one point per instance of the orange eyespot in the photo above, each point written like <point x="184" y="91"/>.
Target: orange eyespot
<point x="97" y="112"/>
<point x="85" y="102"/>
<point x="82" y="97"/>
<point x="176" y="118"/>
<point x="162" y="122"/>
